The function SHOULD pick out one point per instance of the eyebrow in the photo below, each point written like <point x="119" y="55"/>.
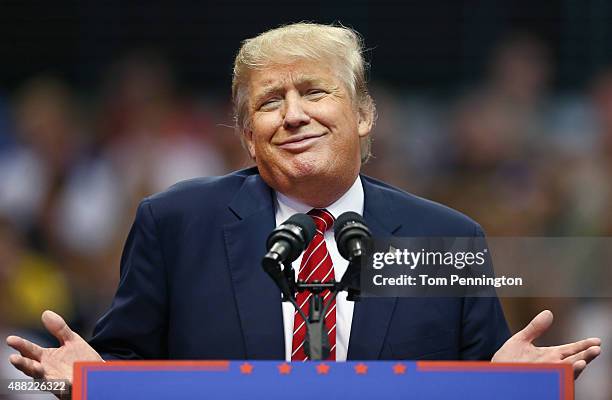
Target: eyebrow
<point x="271" y="88"/>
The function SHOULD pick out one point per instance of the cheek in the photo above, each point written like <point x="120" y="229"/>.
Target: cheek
<point x="264" y="127"/>
<point x="336" y="115"/>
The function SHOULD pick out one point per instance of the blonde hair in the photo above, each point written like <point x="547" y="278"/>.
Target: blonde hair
<point x="289" y="43"/>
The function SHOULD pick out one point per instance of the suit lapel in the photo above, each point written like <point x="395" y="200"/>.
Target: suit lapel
<point x="257" y="297"/>
<point x="371" y="316"/>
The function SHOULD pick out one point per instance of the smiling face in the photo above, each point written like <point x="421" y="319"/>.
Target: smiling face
<point x="304" y="131"/>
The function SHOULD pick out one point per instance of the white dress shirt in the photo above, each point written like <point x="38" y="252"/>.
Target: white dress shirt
<point x="352" y="200"/>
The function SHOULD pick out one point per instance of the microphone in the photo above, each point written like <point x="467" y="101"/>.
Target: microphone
<point x="354" y="241"/>
<point x="352" y="235"/>
<point x="285" y="243"/>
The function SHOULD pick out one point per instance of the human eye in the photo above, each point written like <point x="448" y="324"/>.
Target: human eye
<point x="269" y="104"/>
<point x="315" y="93"/>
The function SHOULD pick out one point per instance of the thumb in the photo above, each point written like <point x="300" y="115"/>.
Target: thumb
<point x="536" y="327"/>
<point x="57" y="326"/>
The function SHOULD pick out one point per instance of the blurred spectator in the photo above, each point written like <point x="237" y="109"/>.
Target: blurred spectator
<point x="31" y="280"/>
<point x="154" y="136"/>
<point x="47" y="144"/>
<point x="495" y="167"/>
<point x="588" y="181"/>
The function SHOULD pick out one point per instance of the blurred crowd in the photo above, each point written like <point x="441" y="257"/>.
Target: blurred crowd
<point x="511" y="152"/>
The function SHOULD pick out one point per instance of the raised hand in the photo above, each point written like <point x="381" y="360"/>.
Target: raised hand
<point x="51" y="363"/>
<point x="520" y="347"/>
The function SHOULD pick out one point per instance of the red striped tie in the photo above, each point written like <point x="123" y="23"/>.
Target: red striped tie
<point x="316" y="265"/>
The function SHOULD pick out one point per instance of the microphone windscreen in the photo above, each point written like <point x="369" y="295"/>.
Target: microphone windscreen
<point x="305" y="223"/>
<point x="345" y="218"/>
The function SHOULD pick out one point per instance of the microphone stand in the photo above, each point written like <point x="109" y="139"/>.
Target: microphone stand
<point x="316" y="342"/>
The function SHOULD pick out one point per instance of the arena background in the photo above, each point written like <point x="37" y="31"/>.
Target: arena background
<point x="500" y="109"/>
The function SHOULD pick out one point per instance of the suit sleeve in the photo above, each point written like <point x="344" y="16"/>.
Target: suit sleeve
<point x="484" y="327"/>
<point x="135" y="327"/>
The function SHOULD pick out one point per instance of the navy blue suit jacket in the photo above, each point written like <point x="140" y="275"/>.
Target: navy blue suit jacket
<point x="192" y="286"/>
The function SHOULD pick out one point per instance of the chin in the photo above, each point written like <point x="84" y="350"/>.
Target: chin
<point x="308" y="166"/>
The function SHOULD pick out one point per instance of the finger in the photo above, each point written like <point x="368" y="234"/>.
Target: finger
<point x="29" y="367"/>
<point x="587" y="355"/>
<point x="578" y="367"/>
<point x="536" y="327"/>
<point x="57" y="326"/>
<point x="573" y="348"/>
<point x="25" y="347"/>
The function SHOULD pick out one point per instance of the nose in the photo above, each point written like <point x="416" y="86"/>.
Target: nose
<point x="295" y="115"/>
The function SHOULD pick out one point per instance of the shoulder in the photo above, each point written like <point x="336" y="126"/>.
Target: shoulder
<point x="198" y="194"/>
<point x="422" y="216"/>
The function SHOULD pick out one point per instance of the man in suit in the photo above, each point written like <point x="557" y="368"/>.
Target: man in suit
<point x="191" y="284"/>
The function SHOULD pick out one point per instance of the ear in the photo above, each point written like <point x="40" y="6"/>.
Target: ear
<point x="247" y="136"/>
<point x="365" y="121"/>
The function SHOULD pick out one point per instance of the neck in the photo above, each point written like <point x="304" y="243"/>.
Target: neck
<point x="318" y="192"/>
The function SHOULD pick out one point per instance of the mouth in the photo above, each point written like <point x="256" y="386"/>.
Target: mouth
<point x="300" y="142"/>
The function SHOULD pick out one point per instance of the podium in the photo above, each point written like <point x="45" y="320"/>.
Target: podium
<point x="306" y="380"/>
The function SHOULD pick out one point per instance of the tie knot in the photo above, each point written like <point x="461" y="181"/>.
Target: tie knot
<point x="322" y="219"/>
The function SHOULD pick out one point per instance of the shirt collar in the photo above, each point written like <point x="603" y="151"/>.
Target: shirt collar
<point x="352" y="200"/>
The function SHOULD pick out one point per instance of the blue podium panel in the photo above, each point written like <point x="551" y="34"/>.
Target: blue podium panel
<point x="352" y="380"/>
